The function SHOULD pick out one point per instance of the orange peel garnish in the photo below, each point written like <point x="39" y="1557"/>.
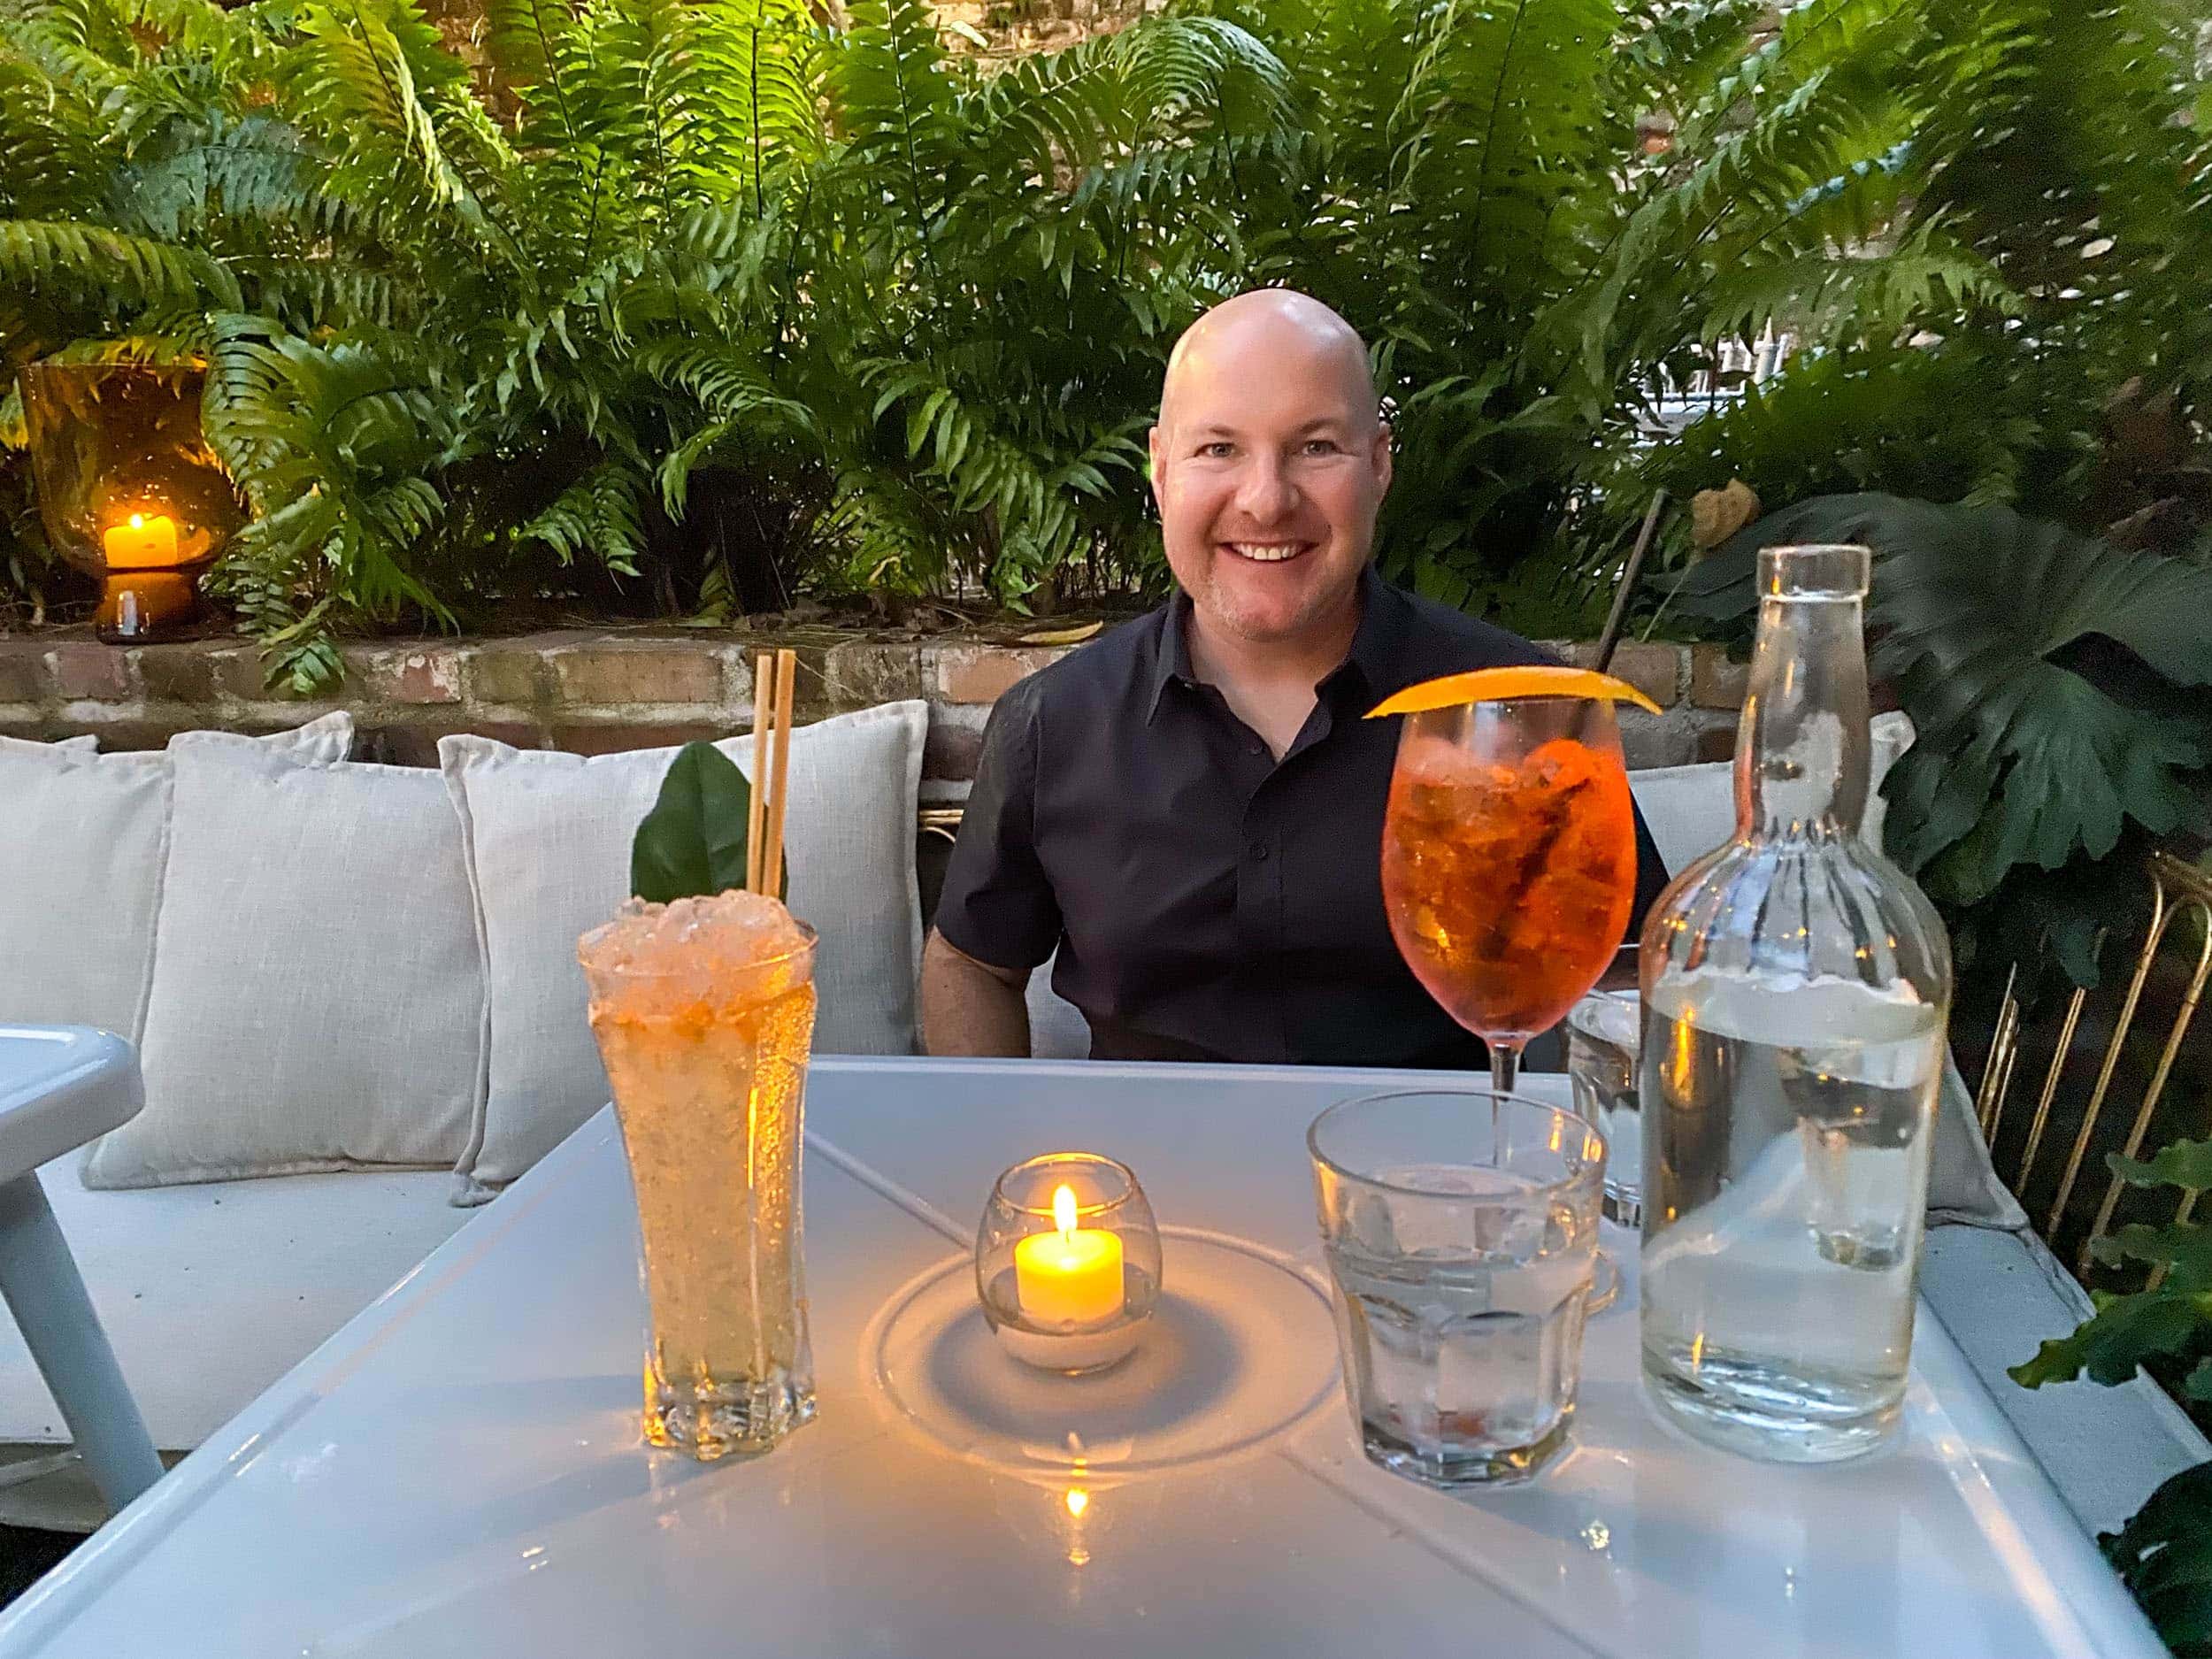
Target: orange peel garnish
<point x="1494" y="684"/>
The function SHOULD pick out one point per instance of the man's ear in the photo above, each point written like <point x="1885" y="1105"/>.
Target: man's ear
<point x="1152" y="469"/>
<point x="1379" y="457"/>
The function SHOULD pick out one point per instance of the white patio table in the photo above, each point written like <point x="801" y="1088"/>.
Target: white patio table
<point x="61" y="1086"/>
<point x="459" y="1471"/>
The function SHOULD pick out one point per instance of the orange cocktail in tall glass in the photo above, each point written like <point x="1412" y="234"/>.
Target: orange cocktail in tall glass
<point x="1508" y="853"/>
<point x="1509" y="860"/>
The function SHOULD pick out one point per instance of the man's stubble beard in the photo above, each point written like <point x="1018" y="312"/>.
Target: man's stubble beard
<point x="1319" y="610"/>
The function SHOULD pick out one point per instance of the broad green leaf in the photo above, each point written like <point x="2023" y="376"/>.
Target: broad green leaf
<point x="2125" y="1330"/>
<point x="2164" y="1557"/>
<point x="2185" y="1249"/>
<point x="2019" y="760"/>
<point x="2186" y="1164"/>
<point x="693" y="842"/>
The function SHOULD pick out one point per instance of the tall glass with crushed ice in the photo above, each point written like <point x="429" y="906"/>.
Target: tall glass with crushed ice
<point x="1795" y="988"/>
<point x="703" y="1009"/>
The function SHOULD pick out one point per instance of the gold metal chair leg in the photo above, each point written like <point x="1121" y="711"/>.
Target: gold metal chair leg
<point x="2142" y="1123"/>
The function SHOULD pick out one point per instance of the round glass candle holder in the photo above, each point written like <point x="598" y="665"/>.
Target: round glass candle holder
<point x="1067" y="1261"/>
<point x="128" y="488"/>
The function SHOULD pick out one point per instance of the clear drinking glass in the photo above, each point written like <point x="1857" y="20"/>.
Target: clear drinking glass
<point x="704" y="1014"/>
<point x="1795" y="988"/>
<point x="1460" y="1227"/>
<point x="1603" y="1032"/>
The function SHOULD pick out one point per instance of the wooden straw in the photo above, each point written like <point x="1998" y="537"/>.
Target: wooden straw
<point x="787" y="679"/>
<point x="756" y="807"/>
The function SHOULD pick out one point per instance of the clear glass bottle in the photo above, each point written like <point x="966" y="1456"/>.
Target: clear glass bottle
<point x="1796" y="986"/>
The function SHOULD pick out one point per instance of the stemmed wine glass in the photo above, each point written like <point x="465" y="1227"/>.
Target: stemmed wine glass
<point x="1509" y="865"/>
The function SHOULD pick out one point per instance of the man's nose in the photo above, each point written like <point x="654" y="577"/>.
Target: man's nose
<point x="1266" y="494"/>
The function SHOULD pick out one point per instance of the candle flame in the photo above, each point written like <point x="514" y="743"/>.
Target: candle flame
<point x="138" y="521"/>
<point x="1079" y="1501"/>
<point x="1064" y="1209"/>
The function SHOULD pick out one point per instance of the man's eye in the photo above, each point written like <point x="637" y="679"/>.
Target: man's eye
<point x="1321" y="446"/>
<point x="1217" y="450"/>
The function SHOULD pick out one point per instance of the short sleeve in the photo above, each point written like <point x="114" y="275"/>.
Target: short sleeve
<point x="997" y="905"/>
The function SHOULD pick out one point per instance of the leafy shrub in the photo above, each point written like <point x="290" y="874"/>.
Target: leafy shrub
<point x="2056" y="145"/>
<point x="740" y="301"/>
<point x="2038" y="752"/>
<point x="2164" y="1553"/>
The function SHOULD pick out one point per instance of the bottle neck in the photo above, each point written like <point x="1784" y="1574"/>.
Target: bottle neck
<point x="1803" y="753"/>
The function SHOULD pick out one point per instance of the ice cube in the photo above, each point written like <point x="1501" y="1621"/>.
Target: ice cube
<point x="660" y="960"/>
<point x="1367" y="1221"/>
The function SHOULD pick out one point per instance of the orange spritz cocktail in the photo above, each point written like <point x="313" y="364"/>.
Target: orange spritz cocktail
<point x="1509" y="852"/>
<point x="1509" y="879"/>
<point x="1508" y="849"/>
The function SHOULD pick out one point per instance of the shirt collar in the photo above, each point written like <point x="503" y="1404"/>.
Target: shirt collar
<point x="1172" y="658"/>
<point x="1370" y="667"/>
<point x="1375" y="665"/>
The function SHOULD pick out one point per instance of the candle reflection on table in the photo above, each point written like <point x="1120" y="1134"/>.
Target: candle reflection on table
<point x="1079" y="1502"/>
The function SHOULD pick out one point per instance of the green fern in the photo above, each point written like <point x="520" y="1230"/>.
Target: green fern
<point x="601" y="513"/>
<point x="913" y="307"/>
<point x="83" y="263"/>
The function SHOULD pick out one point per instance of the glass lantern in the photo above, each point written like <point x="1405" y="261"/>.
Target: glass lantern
<point x="1067" y="1261"/>
<point x="127" y="487"/>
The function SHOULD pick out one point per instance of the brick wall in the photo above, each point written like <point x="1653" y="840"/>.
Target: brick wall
<point x="596" y="691"/>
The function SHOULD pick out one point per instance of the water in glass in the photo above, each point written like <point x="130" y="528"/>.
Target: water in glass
<point x="1778" y="1307"/>
<point x="1601" y="1044"/>
<point x="1795" y="988"/>
<point x="1461" y="1282"/>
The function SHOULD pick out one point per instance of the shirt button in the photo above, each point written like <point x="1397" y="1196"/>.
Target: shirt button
<point x="1259" y="851"/>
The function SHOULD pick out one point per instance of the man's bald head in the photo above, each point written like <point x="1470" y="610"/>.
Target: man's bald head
<point x="1269" y="462"/>
<point x="1281" y="325"/>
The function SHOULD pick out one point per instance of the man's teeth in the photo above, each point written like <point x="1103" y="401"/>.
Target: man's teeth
<point x="1268" y="552"/>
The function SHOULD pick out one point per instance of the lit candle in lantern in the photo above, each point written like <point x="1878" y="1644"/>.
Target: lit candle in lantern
<point x="147" y="542"/>
<point x="1072" y="1276"/>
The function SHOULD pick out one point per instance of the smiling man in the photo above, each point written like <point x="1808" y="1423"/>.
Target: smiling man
<point x="1190" y="808"/>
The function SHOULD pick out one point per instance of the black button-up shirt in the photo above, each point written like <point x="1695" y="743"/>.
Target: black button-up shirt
<point x="1208" y="901"/>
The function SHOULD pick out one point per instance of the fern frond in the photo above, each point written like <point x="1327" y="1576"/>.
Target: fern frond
<point x="601" y="513"/>
<point x="727" y="382"/>
<point x="89" y="266"/>
<point x="894" y="97"/>
<point x="329" y="444"/>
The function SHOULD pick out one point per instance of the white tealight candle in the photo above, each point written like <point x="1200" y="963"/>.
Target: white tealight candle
<point x="1071" y="1276"/>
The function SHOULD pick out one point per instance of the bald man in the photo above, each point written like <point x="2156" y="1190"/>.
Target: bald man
<point x="1189" y="809"/>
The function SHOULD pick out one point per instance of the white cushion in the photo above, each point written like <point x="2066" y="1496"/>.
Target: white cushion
<point x="548" y="851"/>
<point x="1058" y="1030"/>
<point x="210" y="1294"/>
<point x="1691" y="809"/>
<point x="318" y="999"/>
<point x="77" y="944"/>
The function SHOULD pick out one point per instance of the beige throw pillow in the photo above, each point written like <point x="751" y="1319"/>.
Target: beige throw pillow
<point x="1691" y="809"/>
<point x="548" y="857"/>
<point x="318" y="995"/>
<point x="86" y="834"/>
